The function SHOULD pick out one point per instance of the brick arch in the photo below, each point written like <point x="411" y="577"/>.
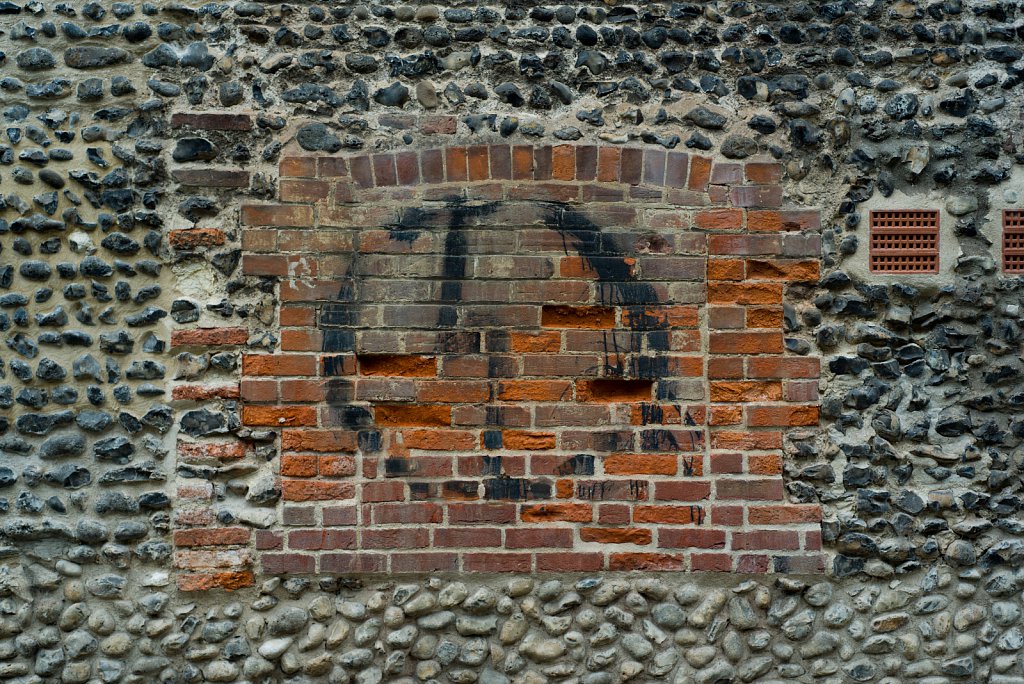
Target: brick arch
<point x="531" y="358"/>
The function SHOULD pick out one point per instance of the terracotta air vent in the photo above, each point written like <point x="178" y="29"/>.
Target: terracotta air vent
<point x="1013" y="241"/>
<point x="905" y="241"/>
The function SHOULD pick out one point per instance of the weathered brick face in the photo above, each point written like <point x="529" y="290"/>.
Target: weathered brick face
<point x="508" y="358"/>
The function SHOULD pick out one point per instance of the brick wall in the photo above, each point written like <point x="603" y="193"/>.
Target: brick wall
<point x="516" y="358"/>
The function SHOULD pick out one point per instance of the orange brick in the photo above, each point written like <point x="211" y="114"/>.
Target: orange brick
<point x="205" y="392"/>
<point x="439" y="440"/>
<point x="744" y="293"/>
<point x="719" y="219"/>
<point x="641" y="464"/>
<point x="660" y="316"/>
<point x="278" y="364"/>
<point x="726" y="269"/>
<point x="616" y="535"/>
<point x="647" y="562"/>
<point x="745" y="343"/>
<point x="784" y="514"/>
<point x="397" y="365"/>
<point x="726" y="415"/>
<point x="776" y="269"/>
<point x="672" y="515"/>
<point x="764" y="464"/>
<point x="522" y="440"/>
<point x="319" y="440"/>
<point x="399" y="415"/>
<point x="764" y="317"/>
<point x="543" y="341"/>
<point x="773" y="416"/>
<point x="746" y="391"/>
<point x="278" y="416"/>
<point x="614" y="390"/>
<point x="535" y="390"/>
<point x="228" y="581"/>
<point x="299" y="465"/>
<point x="208" y="337"/>
<point x="563" y="162"/>
<point x="776" y="221"/>
<point x="576" y="267"/>
<point x="194" y="238"/>
<point x="313" y="490"/>
<point x="700" y="173"/>
<point x="568" y="512"/>
<point x="608" y="164"/>
<point x="746" y="441"/>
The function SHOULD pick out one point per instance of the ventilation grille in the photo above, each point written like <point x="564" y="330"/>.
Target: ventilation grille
<point x="1013" y="241"/>
<point x="905" y="241"/>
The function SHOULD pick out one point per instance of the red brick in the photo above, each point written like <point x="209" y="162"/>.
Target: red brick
<point x="538" y="538"/>
<point x="711" y="562"/>
<point x="776" y="540"/>
<point x="407" y="513"/>
<point x="467" y="537"/>
<point x="569" y="562"/>
<point x="311" y="490"/>
<point x="497" y="562"/>
<point x="424" y="562"/>
<point x="481" y="513"/>
<point x="346" y="563"/>
<point x="280" y="215"/>
<point x="749" y="489"/>
<point x="690" y="538"/>
<point x="320" y="540"/>
<point x="399" y="538"/>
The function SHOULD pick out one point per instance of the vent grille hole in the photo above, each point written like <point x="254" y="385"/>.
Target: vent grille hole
<point x="1013" y="241"/>
<point x="905" y="241"/>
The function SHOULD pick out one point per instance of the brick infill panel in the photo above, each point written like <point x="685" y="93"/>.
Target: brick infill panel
<point x="525" y="359"/>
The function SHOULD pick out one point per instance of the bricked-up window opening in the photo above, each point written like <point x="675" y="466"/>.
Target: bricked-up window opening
<point x="905" y="241"/>
<point x="1013" y="241"/>
<point x="491" y="362"/>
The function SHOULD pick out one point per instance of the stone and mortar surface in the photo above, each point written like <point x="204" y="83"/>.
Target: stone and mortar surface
<point x="133" y="134"/>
